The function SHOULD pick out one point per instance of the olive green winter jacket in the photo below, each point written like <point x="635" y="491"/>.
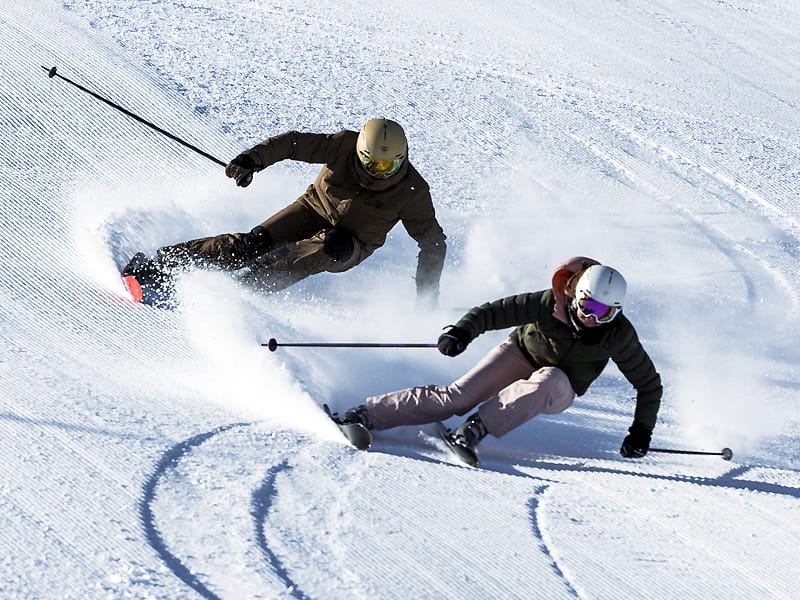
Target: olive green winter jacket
<point x="546" y="341"/>
<point x="348" y="198"/>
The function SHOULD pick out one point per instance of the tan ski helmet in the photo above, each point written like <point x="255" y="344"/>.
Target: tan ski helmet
<point x="382" y="139"/>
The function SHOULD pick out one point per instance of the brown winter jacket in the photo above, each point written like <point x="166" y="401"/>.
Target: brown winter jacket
<point x="547" y="341"/>
<point x="348" y="198"/>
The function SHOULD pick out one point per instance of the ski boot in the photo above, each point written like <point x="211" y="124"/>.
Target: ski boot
<point x="471" y="431"/>
<point x="354" y="424"/>
<point x="148" y="282"/>
<point x="463" y="440"/>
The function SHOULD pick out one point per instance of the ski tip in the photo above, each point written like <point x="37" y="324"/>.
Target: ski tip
<point x="362" y="442"/>
<point x="133" y="287"/>
<point x="468" y="457"/>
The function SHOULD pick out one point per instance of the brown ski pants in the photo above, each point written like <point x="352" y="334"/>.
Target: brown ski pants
<point x="296" y="250"/>
<point x="504" y="383"/>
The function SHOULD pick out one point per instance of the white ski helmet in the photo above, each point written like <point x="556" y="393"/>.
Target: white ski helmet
<point x="600" y="293"/>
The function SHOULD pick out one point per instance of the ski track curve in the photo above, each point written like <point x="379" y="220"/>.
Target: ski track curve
<point x="305" y="540"/>
<point x="200" y="474"/>
<point x="307" y="537"/>
<point x="261" y="500"/>
<point x="337" y="534"/>
<point x="578" y="502"/>
<point x="167" y="463"/>
<point x="533" y="505"/>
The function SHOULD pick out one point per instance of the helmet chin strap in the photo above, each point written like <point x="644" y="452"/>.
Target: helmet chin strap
<point x="575" y="323"/>
<point x="588" y="335"/>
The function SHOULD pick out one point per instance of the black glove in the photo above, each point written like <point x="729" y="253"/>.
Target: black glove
<point x="338" y="244"/>
<point x="453" y="341"/>
<point x="637" y="442"/>
<point x="241" y="169"/>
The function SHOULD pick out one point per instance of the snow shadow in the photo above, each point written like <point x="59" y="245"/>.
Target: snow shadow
<point x="502" y="462"/>
<point x="71" y="427"/>
<point x="731" y="479"/>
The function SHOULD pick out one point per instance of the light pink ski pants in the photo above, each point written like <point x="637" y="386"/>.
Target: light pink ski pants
<point x="511" y="391"/>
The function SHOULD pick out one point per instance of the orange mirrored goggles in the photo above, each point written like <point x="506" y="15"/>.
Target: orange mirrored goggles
<point x="381" y="168"/>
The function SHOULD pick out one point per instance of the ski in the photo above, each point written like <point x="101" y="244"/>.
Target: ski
<point x="463" y="452"/>
<point x="148" y="286"/>
<point x="358" y="435"/>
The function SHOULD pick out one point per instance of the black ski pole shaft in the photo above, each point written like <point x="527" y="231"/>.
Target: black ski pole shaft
<point x="725" y="453"/>
<point x="52" y="73"/>
<point x="273" y="345"/>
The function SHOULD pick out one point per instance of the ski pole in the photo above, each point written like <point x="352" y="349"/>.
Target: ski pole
<point x="52" y="73"/>
<point x="725" y="453"/>
<point x="273" y="345"/>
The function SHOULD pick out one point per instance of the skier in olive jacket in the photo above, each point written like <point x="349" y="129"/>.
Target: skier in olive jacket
<point x="364" y="188"/>
<point x="563" y="340"/>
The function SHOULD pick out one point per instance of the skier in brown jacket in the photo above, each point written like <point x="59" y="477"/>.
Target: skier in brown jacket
<point x="563" y="340"/>
<point x="366" y="186"/>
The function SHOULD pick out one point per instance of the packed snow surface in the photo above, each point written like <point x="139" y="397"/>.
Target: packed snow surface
<point x="168" y="455"/>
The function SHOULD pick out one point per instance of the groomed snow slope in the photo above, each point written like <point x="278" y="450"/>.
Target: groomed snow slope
<point x="167" y="455"/>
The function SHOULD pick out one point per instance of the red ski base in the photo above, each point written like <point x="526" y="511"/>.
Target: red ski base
<point x="134" y="289"/>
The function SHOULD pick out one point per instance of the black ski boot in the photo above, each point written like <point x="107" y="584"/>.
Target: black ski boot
<point x="357" y="414"/>
<point x="463" y="440"/>
<point x="149" y="282"/>
<point x="354" y="424"/>
<point x="470" y="432"/>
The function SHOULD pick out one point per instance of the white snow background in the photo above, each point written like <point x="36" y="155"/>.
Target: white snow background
<point x="166" y="455"/>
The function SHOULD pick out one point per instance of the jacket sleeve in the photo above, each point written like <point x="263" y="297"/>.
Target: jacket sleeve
<point x="430" y="263"/>
<point x="292" y="145"/>
<point x="419" y="220"/>
<point x="511" y="311"/>
<point x="638" y="369"/>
